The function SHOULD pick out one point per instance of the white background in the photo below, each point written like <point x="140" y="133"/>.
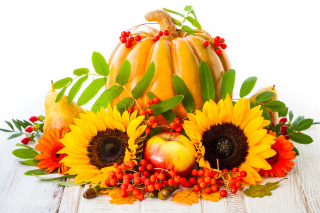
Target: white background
<point x="277" y="41"/>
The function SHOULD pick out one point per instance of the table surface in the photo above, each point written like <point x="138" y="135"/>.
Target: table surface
<point x="20" y="193"/>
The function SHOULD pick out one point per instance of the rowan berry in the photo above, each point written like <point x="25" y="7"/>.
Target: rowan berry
<point x="155" y="125"/>
<point x="136" y="180"/>
<point x="171" y="181"/>
<point x="205" y="43"/>
<point x="153" y="178"/>
<point x="119" y="176"/>
<point x="130" y="187"/>
<point x="130" y="109"/>
<point x="141" y="197"/>
<point x="155" y="100"/>
<point x="177" y="178"/>
<point x="166" y="32"/>
<point x="158" y="186"/>
<point x="243" y="173"/>
<point x="126" y="181"/>
<point x="223" y="193"/>
<point x="165" y="182"/>
<point x="238" y="184"/>
<point x="225" y="171"/>
<point x="214" y="173"/>
<point x="147" y="182"/>
<point x="123" y="192"/>
<point x="171" y="166"/>
<point x="107" y="182"/>
<point x="192" y="180"/>
<point x="128" y="44"/>
<point x="207" y="173"/>
<point x="123" y="40"/>
<point x="200" y="172"/>
<point x="223" y="46"/>
<point x="213" y="181"/>
<point x="150" y="102"/>
<point x="124" y="186"/>
<point x="216" y="44"/>
<point x="215" y="188"/>
<point x="283" y="120"/>
<point x="33" y="119"/>
<point x="141" y="168"/>
<point x="203" y="185"/>
<point x="222" y="40"/>
<point x="145" y="173"/>
<point x="113" y="182"/>
<point x="124" y="34"/>
<point x="156" y="38"/>
<point x="283" y="130"/>
<point x="207" y="190"/>
<point x="173" y="172"/>
<point x="131" y="164"/>
<point x="235" y="170"/>
<point x="25" y="141"/>
<point x="234" y="190"/>
<point x="218" y="51"/>
<point x="217" y="38"/>
<point x="178" y="129"/>
<point x="137" y="38"/>
<point x="232" y="182"/>
<point x="183" y="180"/>
<point x="112" y="173"/>
<point x="207" y="179"/>
<point x="196" y="188"/>
<point x="29" y="129"/>
<point x="147" y="130"/>
<point x="160" y="33"/>
<point x="239" y="179"/>
<point x="200" y="180"/>
<point x="142" y="112"/>
<point x="128" y="33"/>
<point x="173" y="125"/>
<point x="115" y="165"/>
<point x="161" y="176"/>
<point x="136" y="192"/>
<point x="149" y="122"/>
<point x="149" y="167"/>
<point x="194" y="172"/>
<point x="118" y="170"/>
<point x="123" y="166"/>
<point x="125" y="176"/>
<point x="151" y="187"/>
<point x="149" y="111"/>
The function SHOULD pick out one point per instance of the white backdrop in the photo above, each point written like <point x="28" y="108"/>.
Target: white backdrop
<point x="277" y="41"/>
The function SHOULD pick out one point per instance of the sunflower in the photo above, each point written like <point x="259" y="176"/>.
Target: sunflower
<point x="232" y="134"/>
<point x="98" y="140"/>
<point x="49" y="145"/>
<point x="282" y="161"/>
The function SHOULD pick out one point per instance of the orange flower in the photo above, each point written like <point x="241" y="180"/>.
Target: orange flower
<point x="49" y="145"/>
<point x="282" y="161"/>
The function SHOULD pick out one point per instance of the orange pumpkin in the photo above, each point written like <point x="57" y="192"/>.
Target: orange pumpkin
<point x="178" y="53"/>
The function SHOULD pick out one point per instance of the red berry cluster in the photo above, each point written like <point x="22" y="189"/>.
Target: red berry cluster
<point x="33" y="131"/>
<point x="217" y="42"/>
<point x="159" y="34"/>
<point x="284" y="127"/>
<point x="127" y="39"/>
<point x="176" y="125"/>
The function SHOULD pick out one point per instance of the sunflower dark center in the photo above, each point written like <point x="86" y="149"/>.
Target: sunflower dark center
<point x="107" y="148"/>
<point x="227" y="143"/>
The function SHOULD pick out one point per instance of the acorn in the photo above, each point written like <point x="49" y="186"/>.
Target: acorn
<point x="92" y="191"/>
<point x="163" y="194"/>
<point x="171" y="188"/>
<point x="153" y="194"/>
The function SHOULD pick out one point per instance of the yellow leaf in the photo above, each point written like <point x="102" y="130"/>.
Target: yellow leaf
<point x="187" y="196"/>
<point x="117" y="199"/>
<point x="213" y="196"/>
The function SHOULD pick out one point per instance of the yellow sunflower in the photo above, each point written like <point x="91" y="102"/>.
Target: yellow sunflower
<point x="98" y="140"/>
<point x="232" y="134"/>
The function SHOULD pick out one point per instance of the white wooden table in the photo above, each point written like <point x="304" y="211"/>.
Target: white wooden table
<point x="19" y="193"/>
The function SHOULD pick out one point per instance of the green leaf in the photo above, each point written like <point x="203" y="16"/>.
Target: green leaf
<point x="247" y="86"/>
<point x="144" y="83"/>
<point x="61" y="93"/>
<point x="100" y="64"/>
<point x="5" y="130"/>
<point x="283" y="113"/>
<point x="28" y="147"/>
<point x="194" y="22"/>
<point x="15" y="135"/>
<point x="91" y="91"/>
<point x="188" y="29"/>
<point x="182" y="89"/>
<point x="261" y="190"/>
<point x="265" y="96"/>
<point x="38" y="172"/>
<point x="194" y="14"/>
<point x="188" y="9"/>
<point x="9" y="124"/>
<point x="22" y="124"/>
<point x="304" y="124"/>
<point x="207" y="84"/>
<point x="168" y="115"/>
<point x="27" y="123"/>
<point x="81" y="71"/>
<point x="176" y="22"/>
<point x="290" y="116"/>
<point x="276" y="128"/>
<point x="294" y="124"/>
<point x="124" y="73"/>
<point x="227" y="84"/>
<point x="68" y="183"/>
<point x="275" y="105"/>
<point x="166" y="105"/>
<point x="173" y="12"/>
<point x="155" y="131"/>
<point x="301" y="138"/>
<point x="17" y="125"/>
<point x="124" y="104"/>
<point x="62" y="83"/>
<point x="295" y="149"/>
<point x="266" y="115"/>
<point x="75" y="89"/>
<point x="106" y="97"/>
<point x="54" y="178"/>
<point x="252" y="105"/>
<point x="31" y="162"/>
<point x="25" y="153"/>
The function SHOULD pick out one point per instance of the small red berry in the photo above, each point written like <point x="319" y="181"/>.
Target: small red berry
<point x="171" y="181"/>
<point x="165" y="182"/>
<point x="173" y="173"/>
<point x="25" y="141"/>
<point x="243" y="173"/>
<point x="142" y="112"/>
<point x="166" y="32"/>
<point x="156" y="38"/>
<point x="128" y="33"/>
<point x="128" y="44"/>
<point x="200" y="173"/>
<point x="118" y="170"/>
<point x="171" y="166"/>
<point x="112" y="173"/>
<point x="115" y="165"/>
<point x="196" y="188"/>
<point x="145" y="173"/>
<point x="131" y="39"/>
<point x="207" y="190"/>
<point x="143" y="162"/>
<point x="137" y="37"/>
<point x="216" y="44"/>
<point x="149" y="122"/>
<point x="130" y="187"/>
<point x="218" y="51"/>
<point x="160" y="33"/>
<point x="136" y="180"/>
<point x="173" y="125"/>
<point x="136" y="192"/>
<point x="213" y="181"/>
<point x="151" y="188"/>
<point x="141" y="168"/>
<point x="224" y="171"/>
<point x="214" y="173"/>
<point x="233" y="182"/>
<point x="200" y="180"/>
<point x="203" y="185"/>
<point x="147" y="182"/>
<point x="205" y="43"/>
<point x="207" y="173"/>
<point x="123" y="193"/>
<point x="149" y="111"/>
<point x="147" y="130"/>
<point x="141" y="197"/>
<point x="33" y="119"/>
<point x="238" y="184"/>
<point x="124" y="34"/>
<point x="207" y="179"/>
<point x="131" y="164"/>
<point x="113" y="182"/>
<point x="223" y="46"/>
<point x="136" y="174"/>
<point x="155" y="100"/>
<point x="149" y="167"/>
<point x="239" y="179"/>
<point x="123" y="166"/>
<point x="287" y="137"/>
<point x="222" y="40"/>
<point x="155" y="125"/>
<point x="130" y="109"/>
<point x="126" y="181"/>
<point x="215" y="188"/>
<point x="234" y="190"/>
<point x="123" y="40"/>
<point x="29" y="129"/>
<point x="192" y="180"/>
<point x="283" y="130"/>
<point x="223" y="193"/>
<point x="150" y="102"/>
<point x="283" y="120"/>
<point x="235" y="169"/>
<point x="161" y="176"/>
<point x="158" y="186"/>
<point x="177" y="178"/>
<point x="152" y="118"/>
<point x="217" y="38"/>
<point x="194" y="172"/>
<point x="178" y="129"/>
<point x="124" y="186"/>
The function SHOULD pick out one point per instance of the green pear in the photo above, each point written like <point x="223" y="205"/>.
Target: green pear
<point x="59" y="115"/>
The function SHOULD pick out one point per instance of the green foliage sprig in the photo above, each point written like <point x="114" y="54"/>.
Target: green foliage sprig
<point x="191" y="19"/>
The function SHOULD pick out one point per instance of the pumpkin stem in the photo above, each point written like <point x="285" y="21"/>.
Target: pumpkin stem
<point x="165" y="22"/>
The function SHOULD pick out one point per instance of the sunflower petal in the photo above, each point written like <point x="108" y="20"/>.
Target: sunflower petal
<point x="134" y="125"/>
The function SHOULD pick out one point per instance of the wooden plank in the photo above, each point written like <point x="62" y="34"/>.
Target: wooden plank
<point x="71" y="198"/>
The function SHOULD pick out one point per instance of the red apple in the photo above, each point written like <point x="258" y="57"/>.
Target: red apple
<point x="168" y="148"/>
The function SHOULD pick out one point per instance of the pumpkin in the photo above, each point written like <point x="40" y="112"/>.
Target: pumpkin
<point x="178" y="53"/>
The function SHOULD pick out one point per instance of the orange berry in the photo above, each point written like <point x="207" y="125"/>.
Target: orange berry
<point x="156" y="100"/>
<point x="207" y="179"/>
<point x="149" y="167"/>
<point x="200" y="180"/>
<point x="141" y="197"/>
<point x="213" y="181"/>
<point x="161" y="176"/>
<point x="115" y="165"/>
<point x="131" y="164"/>
<point x="196" y="188"/>
<point x="151" y="188"/>
<point x="207" y="190"/>
<point x="143" y="162"/>
<point x="149" y="111"/>
<point x="142" y="112"/>
<point x="194" y="172"/>
<point x="158" y="186"/>
<point x="200" y="172"/>
<point x="149" y="122"/>
<point x="171" y="166"/>
<point x="150" y="102"/>
<point x="147" y="130"/>
<point x="123" y="193"/>
<point x="136" y="192"/>
<point x="155" y="125"/>
<point x="203" y="185"/>
<point x="215" y="188"/>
